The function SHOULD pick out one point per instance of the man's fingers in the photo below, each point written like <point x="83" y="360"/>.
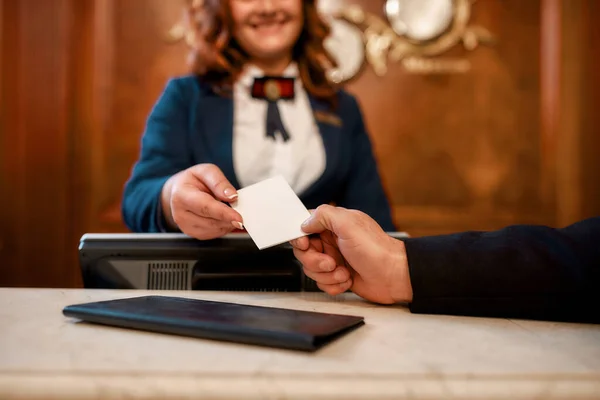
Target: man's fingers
<point x="301" y="243"/>
<point x="337" y="276"/>
<point x="316" y="243"/>
<point x="214" y="179"/>
<point x="324" y="218"/>
<point x="306" y="242"/>
<point x="315" y="261"/>
<point x="337" y="288"/>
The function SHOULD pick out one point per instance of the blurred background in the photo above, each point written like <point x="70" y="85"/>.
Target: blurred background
<point x="467" y="137"/>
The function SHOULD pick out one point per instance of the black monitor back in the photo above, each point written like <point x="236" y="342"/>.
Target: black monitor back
<point x="179" y="262"/>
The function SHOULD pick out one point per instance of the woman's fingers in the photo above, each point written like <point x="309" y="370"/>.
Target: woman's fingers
<point x="215" y="181"/>
<point x="204" y="205"/>
<point x="201" y="227"/>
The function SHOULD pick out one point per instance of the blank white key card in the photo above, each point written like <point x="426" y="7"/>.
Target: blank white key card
<point x="272" y="212"/>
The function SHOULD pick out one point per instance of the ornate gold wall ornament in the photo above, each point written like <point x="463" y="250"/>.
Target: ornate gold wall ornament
<point x="346" y="45"/>
<point x="396" y="40"/>
<point x="420" y="20"/>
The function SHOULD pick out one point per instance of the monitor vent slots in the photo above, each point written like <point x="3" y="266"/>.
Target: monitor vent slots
<point x="169" y="276"/>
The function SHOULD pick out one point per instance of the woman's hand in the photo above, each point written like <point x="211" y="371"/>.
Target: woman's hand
<point x="192" y="201"/>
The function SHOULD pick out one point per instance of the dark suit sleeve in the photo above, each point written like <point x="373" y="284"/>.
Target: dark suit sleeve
<point x="363" y="189"/>
<point x="521" y="271"/>
<point x="164" y="152"/>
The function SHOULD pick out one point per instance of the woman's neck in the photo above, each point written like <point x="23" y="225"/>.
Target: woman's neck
<point x="272" y="66"/>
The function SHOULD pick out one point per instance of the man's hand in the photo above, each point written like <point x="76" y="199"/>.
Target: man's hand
<point x="352" y="252"/>
<point x="192" y="201"/>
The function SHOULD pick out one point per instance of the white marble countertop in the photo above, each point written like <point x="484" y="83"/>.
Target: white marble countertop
<point x="395" y="355"/>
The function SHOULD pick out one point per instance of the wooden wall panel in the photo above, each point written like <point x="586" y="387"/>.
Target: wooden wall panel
<point x="462" y="151"/>
<point x="4" y="221"/>
<point x="35" y="146"/>
<point x="143" y="60"/>
<point x="590" y="123"/>
<point x="570" y="91"/>
<point x="549" y="96"/>
<point x="568" y="145"/>
<point x="94" y="91"/>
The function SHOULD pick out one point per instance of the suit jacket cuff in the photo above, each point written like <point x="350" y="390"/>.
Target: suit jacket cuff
<point x="435" y="285"/>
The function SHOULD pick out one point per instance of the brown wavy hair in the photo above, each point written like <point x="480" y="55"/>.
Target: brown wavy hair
<point x="218" y="59"/>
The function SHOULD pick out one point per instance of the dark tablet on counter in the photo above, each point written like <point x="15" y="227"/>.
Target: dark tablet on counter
<point x="266" y="326"/>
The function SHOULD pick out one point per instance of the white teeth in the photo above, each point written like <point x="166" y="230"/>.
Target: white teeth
<point x="268" y="25"/>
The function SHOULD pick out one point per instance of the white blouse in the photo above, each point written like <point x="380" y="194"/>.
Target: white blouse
<point x="301" y="160"/>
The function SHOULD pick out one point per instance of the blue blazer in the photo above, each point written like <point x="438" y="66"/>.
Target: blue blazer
<point x="190" y="125"/>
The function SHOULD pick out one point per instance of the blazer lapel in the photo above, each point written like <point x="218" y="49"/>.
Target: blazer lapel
<point x="216" y="118"/>
<point x="330" y="129"/>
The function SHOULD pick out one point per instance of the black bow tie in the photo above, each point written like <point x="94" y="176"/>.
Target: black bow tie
<point x="272" y="89"/>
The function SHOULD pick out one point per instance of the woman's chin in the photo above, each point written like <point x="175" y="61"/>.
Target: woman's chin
<point x="271" y="53"/>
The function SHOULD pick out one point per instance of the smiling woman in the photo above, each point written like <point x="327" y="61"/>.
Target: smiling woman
<point x="257" y="105"/>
